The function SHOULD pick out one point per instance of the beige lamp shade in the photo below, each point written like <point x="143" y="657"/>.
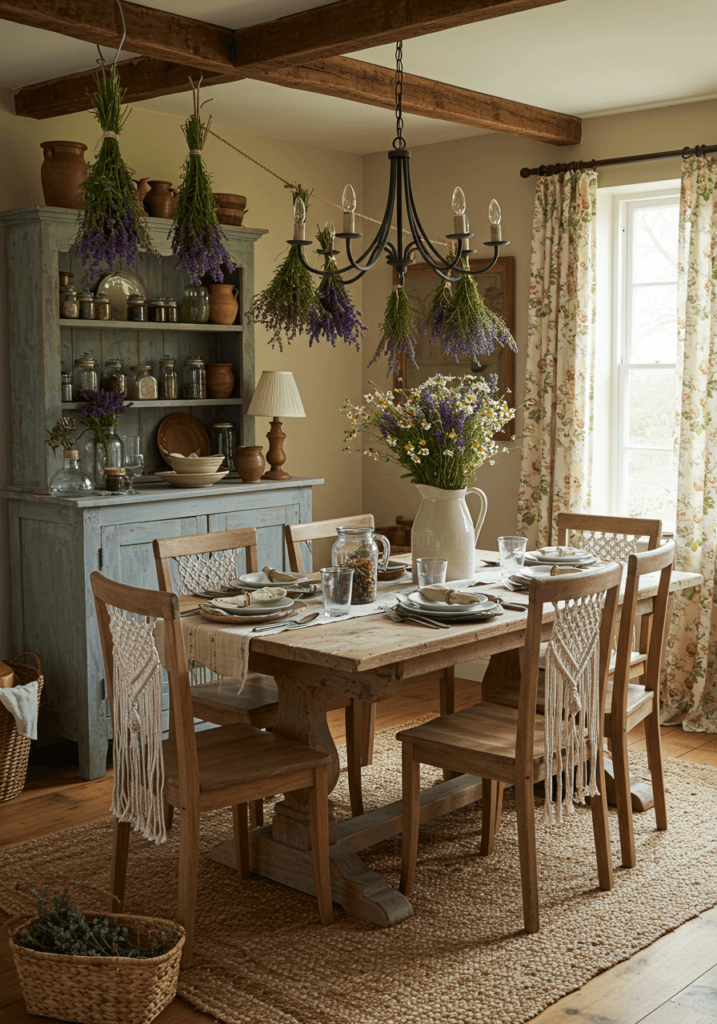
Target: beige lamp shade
<point x="276" y="395"/>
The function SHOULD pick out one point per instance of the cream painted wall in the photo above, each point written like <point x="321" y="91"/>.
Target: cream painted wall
<point x="489" y="167"/>
<point x="154" y="146"/>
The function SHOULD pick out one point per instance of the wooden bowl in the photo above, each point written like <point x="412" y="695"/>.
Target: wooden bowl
<point x="231" y="216"/>
<point x="228" y="200"/>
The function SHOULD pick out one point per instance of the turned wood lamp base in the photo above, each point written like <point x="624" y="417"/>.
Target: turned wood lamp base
<point x="276" y="457"/>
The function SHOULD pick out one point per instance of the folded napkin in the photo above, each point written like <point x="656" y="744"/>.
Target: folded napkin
<point x="277" y="576"/>
<point x="564" y="570"/>
<point x="245" y="599"/>
<point x="440" y="592"/>
<point x="21" y="702"/>
<point x="560" y="552"/>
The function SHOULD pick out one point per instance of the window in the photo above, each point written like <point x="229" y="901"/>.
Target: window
<point x="642" y="380"/>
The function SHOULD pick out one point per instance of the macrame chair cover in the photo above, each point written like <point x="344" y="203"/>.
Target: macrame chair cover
<point x="609" y="547"/>
<point x="198" y="573"/>
<point x="572" y="703"/>
<point x="137" y="794"/>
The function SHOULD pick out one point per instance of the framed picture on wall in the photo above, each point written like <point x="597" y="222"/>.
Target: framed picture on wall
<point x="498" y="290"/>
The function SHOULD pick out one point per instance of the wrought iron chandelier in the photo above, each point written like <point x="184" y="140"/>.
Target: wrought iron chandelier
<point x="401" y="203"/>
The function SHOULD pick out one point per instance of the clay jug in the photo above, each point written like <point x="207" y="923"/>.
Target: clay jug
<point x="160" y="199"/>
<point x="63" y="171"/>
<point x="443" y="528"/>
<point x="223" y="304"/>
<point x="250" y="463"/>
<point x="220" y="380"/>
<point x="142" y="190"/>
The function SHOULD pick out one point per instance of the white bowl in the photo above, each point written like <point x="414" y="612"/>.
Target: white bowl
<point x="200" y="464"/>
<point x="192" y="479"/>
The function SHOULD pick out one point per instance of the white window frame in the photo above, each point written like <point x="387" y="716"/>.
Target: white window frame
<point x="625" y="206"/>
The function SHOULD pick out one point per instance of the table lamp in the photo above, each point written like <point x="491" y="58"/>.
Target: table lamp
<point x="276" y="395"/>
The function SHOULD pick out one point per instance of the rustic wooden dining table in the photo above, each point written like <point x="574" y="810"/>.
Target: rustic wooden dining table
<point x="372" y="658"/>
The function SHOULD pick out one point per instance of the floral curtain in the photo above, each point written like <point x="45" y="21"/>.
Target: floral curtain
<point x="557" y="427"/>
<point x="690" y="685"/>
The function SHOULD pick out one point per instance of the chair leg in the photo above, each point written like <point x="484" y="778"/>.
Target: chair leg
<point x="601" y="828"/>
<point x="353" y="755"/>
<point x="319" y="828"/>
<point x="623" y="797"/>
<point x="241" y="839"/>
<point x="256" y="814"/>
<point x="447" y="699"/>
<point x="118" y="871"/>
<point x="525" y="809"/>
<point x="168" y="815"/>
<point x="368" y="730"/>
<point x="188" y="869"/>
<point x="654" y="761"/>
<point x="492" y="807"/>
<point x="411" y="809"/>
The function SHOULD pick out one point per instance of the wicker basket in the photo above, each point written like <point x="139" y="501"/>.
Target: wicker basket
<point x="15" y="749"/>
<point x="99" y="989"/>
<point x="398" y="535"/>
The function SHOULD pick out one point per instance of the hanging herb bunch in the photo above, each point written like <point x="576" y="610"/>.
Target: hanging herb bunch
<point x="398" y="330"/>
<point x="197" y="238"/>
<point x="462" y="323"/>
<point x="336" y="318"/>
<point x="289" y="304"/>
<point x="111" y="224"/>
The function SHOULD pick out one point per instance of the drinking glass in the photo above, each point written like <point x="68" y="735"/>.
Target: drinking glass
<point x="431" y="571"/>
<point x="133" y="461"/>
<point x="511" y="551"/>
<point x="337" y="584"/>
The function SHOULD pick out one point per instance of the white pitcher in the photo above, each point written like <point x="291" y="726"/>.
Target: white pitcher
<point x="443" y="528"/>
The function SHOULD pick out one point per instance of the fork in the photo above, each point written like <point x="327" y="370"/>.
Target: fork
<point x="412" y="618"/>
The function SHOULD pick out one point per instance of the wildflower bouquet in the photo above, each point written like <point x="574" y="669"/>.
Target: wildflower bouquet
<point x="111" y="224"/>
<point x="62" y="434"/>
<point x="336" y="317"/>
<point x="441" y="434"/>
<point x="100" y="415"/>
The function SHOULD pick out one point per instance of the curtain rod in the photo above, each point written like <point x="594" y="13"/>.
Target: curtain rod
<point x="580" y="165"/>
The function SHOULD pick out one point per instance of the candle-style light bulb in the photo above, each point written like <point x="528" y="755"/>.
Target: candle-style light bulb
<point x="494" y="216"/>
<point x="348" y="201"/>
<point x="459" y="211"/>
<point x="299" y="219"/>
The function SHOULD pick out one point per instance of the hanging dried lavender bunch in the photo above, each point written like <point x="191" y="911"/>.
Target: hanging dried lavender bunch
<point x="338" y="318"/>
<point x="435" y="322"/>
<point x="470" y="329"/>
<point x="398" y="330"/>
<point x="111" y="224"/>
<point x="197" y="238"/>
<point x="288" y="304"/>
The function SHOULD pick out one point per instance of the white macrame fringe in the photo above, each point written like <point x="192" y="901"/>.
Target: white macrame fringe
<point x="138" y="791"/>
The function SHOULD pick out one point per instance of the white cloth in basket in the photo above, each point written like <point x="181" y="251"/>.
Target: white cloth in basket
<point x="21" y="702"/>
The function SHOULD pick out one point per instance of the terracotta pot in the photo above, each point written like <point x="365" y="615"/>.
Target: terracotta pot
<point x="250" y="463"/>
<point x="161" y="199"/>
<point x="63" y="171"/>
<point x="220" y="380"/>
<point x="223" y="304"/>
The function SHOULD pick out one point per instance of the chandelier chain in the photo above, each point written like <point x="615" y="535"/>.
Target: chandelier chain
<point x="399" y="142"/>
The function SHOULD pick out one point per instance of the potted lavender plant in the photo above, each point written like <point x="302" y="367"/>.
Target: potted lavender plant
<point x="100" y="416"/>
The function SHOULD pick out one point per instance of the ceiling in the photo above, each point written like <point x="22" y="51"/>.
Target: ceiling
<point x="580" y="57"/>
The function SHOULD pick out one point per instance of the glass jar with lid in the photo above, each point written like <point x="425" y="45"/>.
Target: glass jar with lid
<point x="84" y="375"/>
<point x="142" y="386"/>
<point x="171" y="313"/>
<point x="191" y="305"/>
<point x="167" y="379"/>
<point x="66" y="387"/>
<point x="203" y="296"/>
<point x="356" y="548"/>
<point x="194" y="379"/>
<point x="113" y="377"/>
<point x="87" y="305"/>
<point x="69" y="305"/>
<point x="136" y="309"/>
<point x="101" y="307"/>
<point x="156" y="311"/>
<point x="224" y="442"/>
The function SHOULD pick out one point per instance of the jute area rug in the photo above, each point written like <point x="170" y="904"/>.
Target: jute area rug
<point x="261" y="957"/>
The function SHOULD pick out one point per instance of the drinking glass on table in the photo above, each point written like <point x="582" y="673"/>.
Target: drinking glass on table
<point x="431" y="571"/>
<point x="133" y="460"/>
<point x="337" y="585"/>
<point x="511" y="551"/>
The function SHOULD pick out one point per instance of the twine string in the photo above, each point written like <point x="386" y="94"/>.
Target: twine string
<point x="103" y="136"/>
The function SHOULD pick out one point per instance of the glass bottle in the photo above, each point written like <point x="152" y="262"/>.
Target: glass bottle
<point x="102" y="453"/>
<point x="113" y="377"/>
<point x="101" y="307"/>
<point x="224" y="442"/>
<point x="356" y="548"/>
<point x="70" y="481"/>
<point x="69" y="305"/>
<point x="142" y="385"/>
<point x="203" y="296"/>
<point x="87" y="305"/>
<point x="66" y="387"/>
<point x="136" y="309"/>
<point x="167" y="379"/>
<point x="194" y="379"/>
<point x="84" y="375"/>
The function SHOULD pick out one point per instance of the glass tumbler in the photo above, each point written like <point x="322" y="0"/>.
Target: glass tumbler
<point x="511" y="552"/>
<point x="431" y="571"/>
<point x="337" y="584"/>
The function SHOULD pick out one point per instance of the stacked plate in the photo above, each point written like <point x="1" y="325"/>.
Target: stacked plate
<point x="224" y="610"/>
<point x="560" y="556"/>
<point x="455" y="613"/>
<point x="194" y="470"/>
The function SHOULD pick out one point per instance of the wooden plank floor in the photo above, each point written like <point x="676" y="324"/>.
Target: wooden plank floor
<point x="674" y="981"/>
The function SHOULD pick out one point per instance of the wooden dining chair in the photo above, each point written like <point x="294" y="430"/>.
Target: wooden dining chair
<point x="207" y="561"/>
<point x="224" y="767"/>
<point x="506" y="746"/>
<point x="362" y="713"/>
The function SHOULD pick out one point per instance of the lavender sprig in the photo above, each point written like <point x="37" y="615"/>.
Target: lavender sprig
<point x="338" y="319"/>
<point x="398" y="331"/>
<point x="101" y="411"/>
<point x="435" y="322"/>
<point x="470" y="329"/>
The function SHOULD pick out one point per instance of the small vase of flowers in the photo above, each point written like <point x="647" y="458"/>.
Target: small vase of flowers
<point x="69" y="481"/>
<point x="100" y="416"/>
<point x="440" y="434"/>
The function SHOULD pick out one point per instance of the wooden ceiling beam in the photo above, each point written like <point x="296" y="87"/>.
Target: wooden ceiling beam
<point x="145" y="78"/>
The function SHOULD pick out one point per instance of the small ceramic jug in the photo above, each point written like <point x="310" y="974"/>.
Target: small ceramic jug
<point x="220" y="380"/>
<point x="63" y="172"/>
<point x="161" y="199"/>
<point x="223" y="303"/>
<point x="250" y="463"/>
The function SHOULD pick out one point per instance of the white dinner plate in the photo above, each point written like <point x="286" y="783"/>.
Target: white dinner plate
<point x="447" y="614"/>
<point x="260" y="608"/>
<point x="572" y="560"/>
<point x="258" y="580"/>
<point x="417" y="598"/>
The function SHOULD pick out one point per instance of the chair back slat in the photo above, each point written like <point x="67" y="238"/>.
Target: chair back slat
<point x="303" y="533"/>
<point x="205" y="561"/>
<point x="608" y="537"/>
